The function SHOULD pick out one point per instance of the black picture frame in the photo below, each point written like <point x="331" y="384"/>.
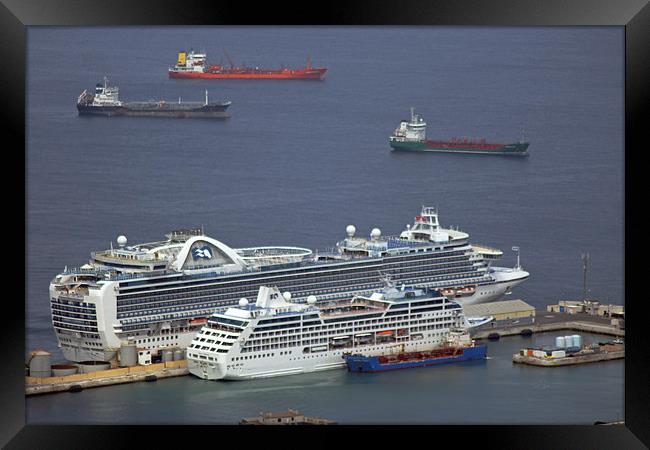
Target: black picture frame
<point x="634" y="15"/>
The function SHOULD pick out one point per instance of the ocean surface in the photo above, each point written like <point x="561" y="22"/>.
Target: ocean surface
<point x="300" y="160"/>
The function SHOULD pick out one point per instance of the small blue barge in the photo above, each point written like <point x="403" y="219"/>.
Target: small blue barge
<point x="442" y="355"/>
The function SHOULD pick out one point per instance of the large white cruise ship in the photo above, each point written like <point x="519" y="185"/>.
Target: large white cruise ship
<point x="160" y="294"/>
<point x="276" y="337"/>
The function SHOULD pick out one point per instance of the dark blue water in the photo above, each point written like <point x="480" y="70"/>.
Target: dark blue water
<point x="300" y="160"/>
<point x="492" y="391"/>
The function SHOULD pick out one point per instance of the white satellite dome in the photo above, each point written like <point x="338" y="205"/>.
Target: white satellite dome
<point x="350" y="230"/>
<point x="243" y="302"/>
<point x="121" y="240"/>
<point x="287" y="295"/>
<point x="311" y="299"/>
<point x="375" y="233"/>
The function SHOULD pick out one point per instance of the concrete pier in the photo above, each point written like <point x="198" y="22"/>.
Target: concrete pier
<point x="34" y="385"/>
<point x="545" y="321"/>
<point x="569" y="360"/>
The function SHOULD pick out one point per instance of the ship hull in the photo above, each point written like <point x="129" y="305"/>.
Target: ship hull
<point x="166" y="110"/>
<point x="372" y="364"/>
<point x="515" y="149"/>
<point x="86" y="349"/>
<point x="307" y="75"/>
<point x="79" y="349"/>
<point x="291" y="364"/>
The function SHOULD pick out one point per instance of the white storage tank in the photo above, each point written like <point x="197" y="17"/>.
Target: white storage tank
<point x="128" y="355"/>
<point x="560" y="342"/>
<point x="167" y="355"/>
<point x="39" y="364"/>
<point x="577" y="340"/>
<point x="568" y="340"/>
<point x="63" y="370"/>
<point x="93" y="366"/>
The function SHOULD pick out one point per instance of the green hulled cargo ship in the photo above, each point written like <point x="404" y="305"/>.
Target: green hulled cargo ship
<point x="411" y="136"/>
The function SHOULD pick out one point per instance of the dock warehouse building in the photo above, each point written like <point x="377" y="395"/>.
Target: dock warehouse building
<point x="508" y="312"/>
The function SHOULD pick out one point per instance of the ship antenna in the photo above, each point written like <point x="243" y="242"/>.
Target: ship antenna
<point x="412" y="114"/>
<point x="516" y="249"/>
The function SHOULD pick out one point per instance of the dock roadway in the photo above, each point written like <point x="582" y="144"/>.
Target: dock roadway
<point x="46" y="385"/>
<point x="546" y="321"/>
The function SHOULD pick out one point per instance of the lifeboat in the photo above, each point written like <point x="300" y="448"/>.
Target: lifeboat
<point x="199" y="321"/>
<point x="466" y="291"/>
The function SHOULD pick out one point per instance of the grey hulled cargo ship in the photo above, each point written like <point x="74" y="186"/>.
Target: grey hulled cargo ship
<point x="105" y="101"/>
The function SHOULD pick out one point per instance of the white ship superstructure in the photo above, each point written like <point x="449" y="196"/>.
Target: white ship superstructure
<point x="159" y="294"/>
<point x="275" y="336"/>
<point x="103" y="96"/>
<point x="413" y="131"/>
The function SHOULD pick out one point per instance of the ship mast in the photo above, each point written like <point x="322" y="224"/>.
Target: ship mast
<point x="206" y="97"/>
<point x="228" y="56"/>
<point x="585" y="263"/>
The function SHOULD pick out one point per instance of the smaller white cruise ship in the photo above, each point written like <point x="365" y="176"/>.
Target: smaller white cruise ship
<point x="275" y="336"/>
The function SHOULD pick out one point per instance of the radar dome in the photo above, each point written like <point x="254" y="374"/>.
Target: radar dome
<point x="121" y="240"/>
<point x="375" y="233"/>
<point x="243" y="302"/>
<point x="350" y="230"/>
<point x="311" y="299"/>
<point x="287" y="295"/>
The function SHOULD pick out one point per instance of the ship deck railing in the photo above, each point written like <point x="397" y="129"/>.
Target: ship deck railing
<point x="71" y="296"/>
<point x="304" y="263"/>
<point x="167" y="316"/>
<point x="351" y="312"/>
<point x="481" y="247"/>
<point x="80" y="271"/>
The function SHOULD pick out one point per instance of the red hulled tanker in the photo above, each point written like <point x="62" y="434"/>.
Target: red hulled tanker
<point x="193" y="65"/>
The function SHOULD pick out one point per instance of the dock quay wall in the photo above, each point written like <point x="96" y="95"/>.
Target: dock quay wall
<point x="578" y="359"/>
<point x="483" y="333"/>
<point x="36" y="385"/>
